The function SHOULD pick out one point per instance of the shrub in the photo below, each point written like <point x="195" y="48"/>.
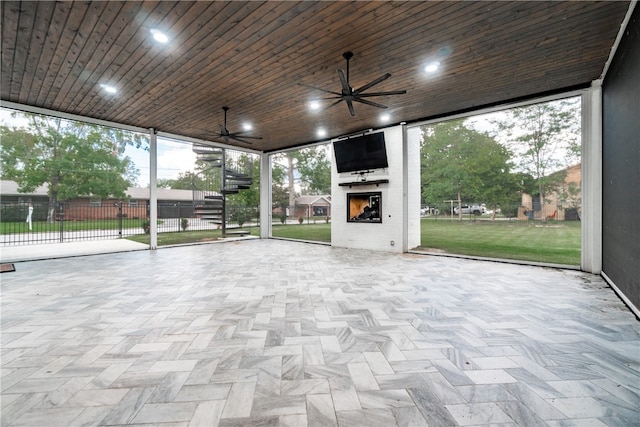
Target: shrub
<point x="300" y="220"/>
<point x="241" y="217"/>
<point x="184" y="223"/>
<point x="146" y="225"/>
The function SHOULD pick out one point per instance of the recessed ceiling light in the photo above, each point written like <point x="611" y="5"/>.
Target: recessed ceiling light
<point x="432" y="67"/>
<point x="247" y="126"/>
<point x="321" y="132"/>
<point x="159" y="36"/>
<point x="109" y="89"/>
<point x="384" y="117"/>
<point x="314" y="105"/>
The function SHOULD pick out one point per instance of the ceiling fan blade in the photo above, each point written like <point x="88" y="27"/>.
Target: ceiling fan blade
<point x="239" y="134"/>
<point x="391" y="92"/>
<point x="346" y="89"/>
<point x="373" y="104"/>
<point x="332" y="104"/>
<point x="352" y="111"/>
<point x="372" y="83"/>
<point x="235" y="138"/>
<point x="320" y="89"/>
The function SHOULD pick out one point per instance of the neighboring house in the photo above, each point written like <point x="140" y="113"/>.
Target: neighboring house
<point x="171" y="203"/>
<point x="310" y="206"/>
<point x="564" y="203"/>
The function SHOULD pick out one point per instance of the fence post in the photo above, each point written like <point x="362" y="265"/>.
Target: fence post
<point x="179" y="217"/>
<point x="61" y="216"/>
<point x="119" y="205"/>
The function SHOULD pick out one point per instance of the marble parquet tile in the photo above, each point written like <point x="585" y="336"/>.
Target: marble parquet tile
<point x="275" y="333"/>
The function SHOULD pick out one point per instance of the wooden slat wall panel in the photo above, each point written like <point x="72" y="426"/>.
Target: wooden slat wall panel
<point x="21" y="53"/>
<point x="60" y="62"/>
<point x="256" y="57"/>
<point x="9" y="33"/>
<point x="257" y="76"/>
<point x="86" y="50"/>
<point x="195" y="67"/>
<point x="46" y="69"/>
<point x="105" y="67"/>
<point x="36" y="47"/>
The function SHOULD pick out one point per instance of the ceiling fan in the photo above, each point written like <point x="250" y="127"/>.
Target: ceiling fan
<point x="350" y="95"/>
<point x="236" y="136"/>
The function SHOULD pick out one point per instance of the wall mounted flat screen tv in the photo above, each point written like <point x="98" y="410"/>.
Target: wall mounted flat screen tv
<point x="361" y="153"/>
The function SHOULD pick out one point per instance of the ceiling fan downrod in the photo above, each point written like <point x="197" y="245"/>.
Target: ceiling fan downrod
<point x="347" y="55"/>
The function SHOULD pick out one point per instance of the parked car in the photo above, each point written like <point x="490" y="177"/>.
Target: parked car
<point x="470" y="209"/>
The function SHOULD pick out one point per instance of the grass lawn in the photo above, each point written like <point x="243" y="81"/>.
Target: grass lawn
<point x="552" y="242"/>
<point x="178" y="238"/>
<point x="43" y="226"/>
<point x="320" y="232"/>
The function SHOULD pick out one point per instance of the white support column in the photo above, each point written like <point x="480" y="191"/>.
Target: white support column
<point x="591" y="216"/>
<point x="265" y="196"/>
<point x="405" y="190"/>
<point x="153" y="188"/>
<point x="411" y="182"/>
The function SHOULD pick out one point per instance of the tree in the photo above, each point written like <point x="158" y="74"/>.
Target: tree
<point x="250" y="197"/>
<point x="545" y="139"/>
<point x="314" y="167"/>
<point x="74" y="159"/>
<point x="279" y="191"/>
<point x="187" y="180"/>
<point x="462" y="163"/>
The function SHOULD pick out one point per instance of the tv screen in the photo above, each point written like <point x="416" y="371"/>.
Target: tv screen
<point x="361" y="153"/>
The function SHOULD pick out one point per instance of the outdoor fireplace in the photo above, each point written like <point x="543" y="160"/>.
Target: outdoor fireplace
<point x="364" y="207"/>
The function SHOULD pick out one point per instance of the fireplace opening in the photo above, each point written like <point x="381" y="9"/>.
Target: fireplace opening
<point x="364" y="207"/>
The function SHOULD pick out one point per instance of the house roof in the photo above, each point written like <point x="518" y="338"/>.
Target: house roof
<point x="162" y="194"/>
<point x="267" y="60"/>
<point x="11" y="188"/>
<point x="313" y="200"/>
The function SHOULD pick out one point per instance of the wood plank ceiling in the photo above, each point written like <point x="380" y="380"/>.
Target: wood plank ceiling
<point x="259" y="58"/>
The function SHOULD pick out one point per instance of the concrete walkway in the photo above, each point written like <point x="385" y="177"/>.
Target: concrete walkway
<point x="67" y="249"/>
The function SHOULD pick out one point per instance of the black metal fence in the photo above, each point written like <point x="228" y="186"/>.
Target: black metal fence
<point x="36" y="223"/>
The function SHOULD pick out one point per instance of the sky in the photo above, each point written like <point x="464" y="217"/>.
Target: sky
<point x="173" y="158"/>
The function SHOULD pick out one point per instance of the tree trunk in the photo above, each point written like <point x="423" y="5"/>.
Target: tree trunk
<point x="53" y="204"/>
<point x="543" y="214"/>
